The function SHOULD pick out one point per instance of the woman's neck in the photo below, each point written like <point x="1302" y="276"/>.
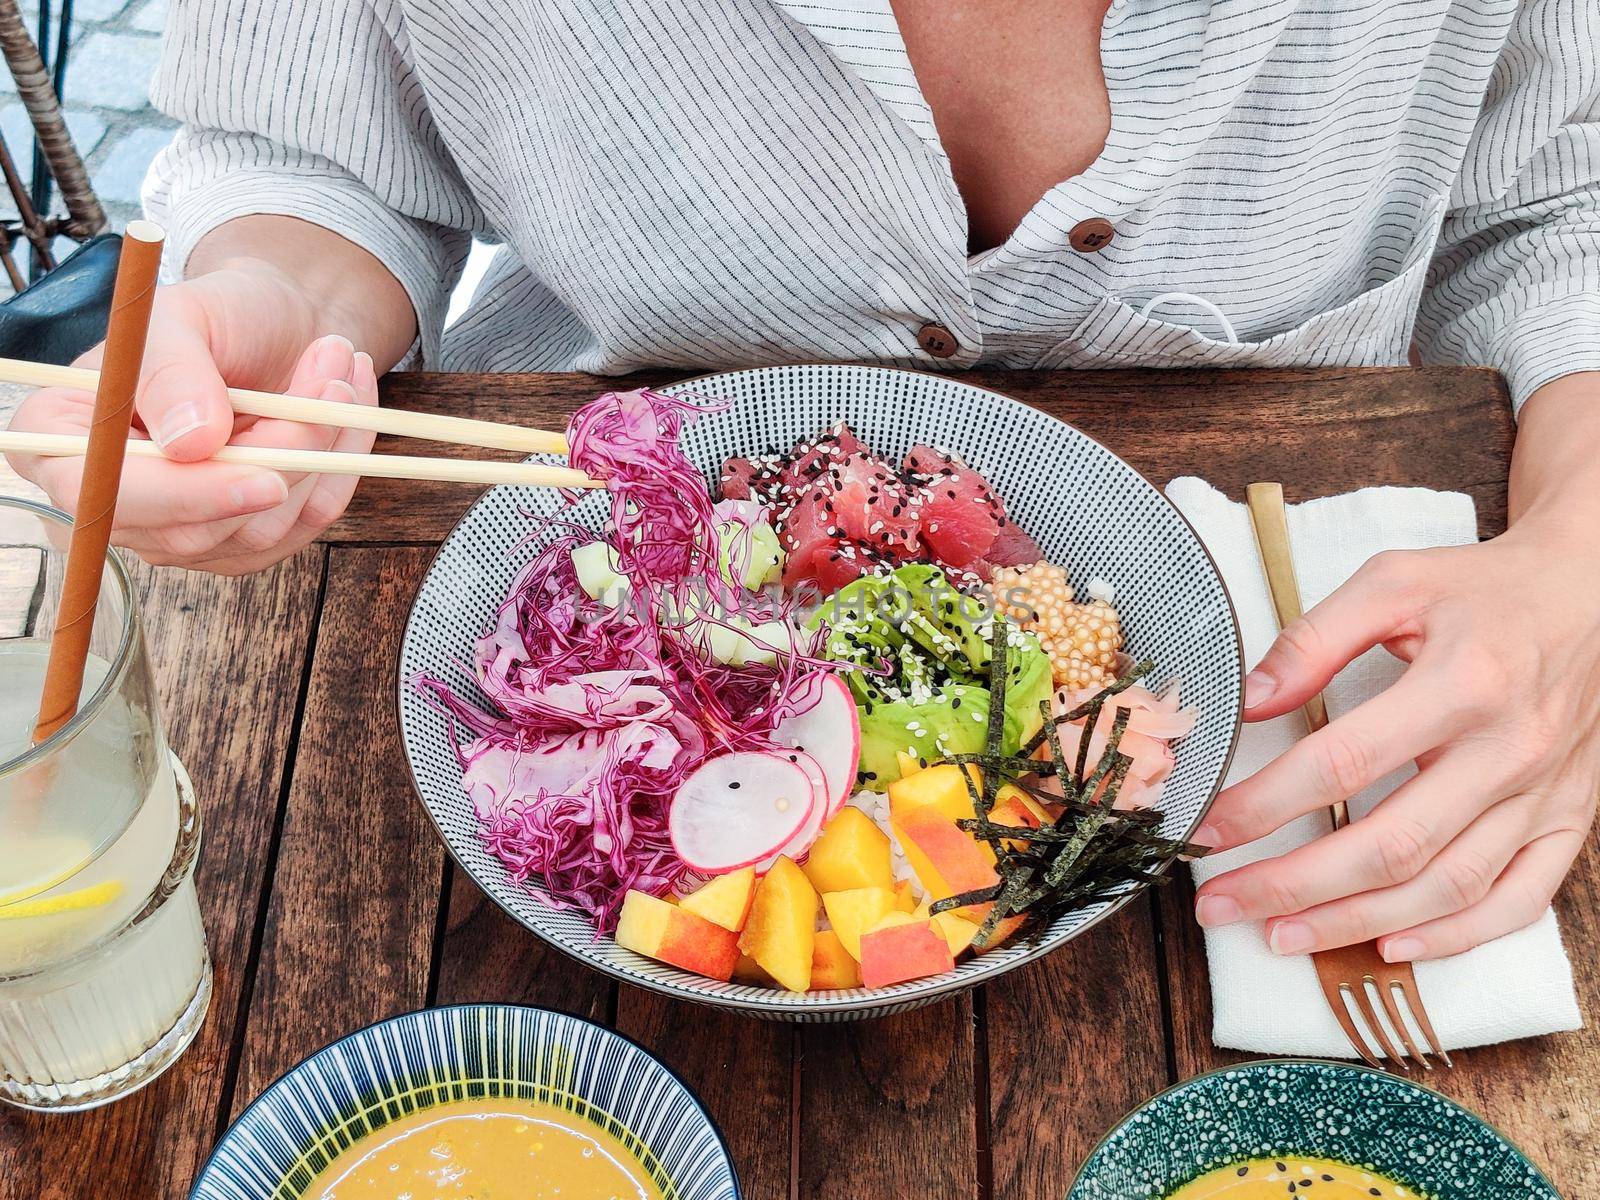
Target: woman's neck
<point x="1017" y="94"/>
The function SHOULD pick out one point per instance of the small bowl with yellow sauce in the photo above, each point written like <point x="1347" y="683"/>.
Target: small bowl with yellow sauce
<point x="479" y="1100"/>
<point x="1310" y="1130"/>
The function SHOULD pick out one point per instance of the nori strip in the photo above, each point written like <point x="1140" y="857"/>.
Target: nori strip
<point x="1135" y="673"/>
<point x="1091" y="851"/>
<point x="999" y="661"/>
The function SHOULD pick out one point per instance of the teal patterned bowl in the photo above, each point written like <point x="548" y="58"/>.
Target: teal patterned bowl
<point x="1354" y="1115"/>
<point x="388" y="1070"/>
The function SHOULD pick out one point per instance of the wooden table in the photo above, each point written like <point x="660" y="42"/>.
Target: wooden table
<point x="331" y="903"/>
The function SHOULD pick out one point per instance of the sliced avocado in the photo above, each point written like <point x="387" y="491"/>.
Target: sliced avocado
<point x="955" y="720"/>
<point x="856" y="635"/>
<point x="952" y="625"/>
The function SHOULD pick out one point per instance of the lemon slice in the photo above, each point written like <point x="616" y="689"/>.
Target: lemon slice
<point x="94" y="896"/>
<point x="65" y="852"/>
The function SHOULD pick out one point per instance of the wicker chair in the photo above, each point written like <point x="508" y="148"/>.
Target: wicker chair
<point x="55" y="158"/>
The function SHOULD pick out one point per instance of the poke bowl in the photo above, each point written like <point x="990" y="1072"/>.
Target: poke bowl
<point x="839" y="824"/>
<point x="548" y="1071"/>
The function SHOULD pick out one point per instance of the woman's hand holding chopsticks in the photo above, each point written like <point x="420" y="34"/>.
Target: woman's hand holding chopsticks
<point x="205" y="334"/>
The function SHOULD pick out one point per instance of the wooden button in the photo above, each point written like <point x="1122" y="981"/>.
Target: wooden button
<point x="937" y="340"/>
<point x="1090" y="234"/>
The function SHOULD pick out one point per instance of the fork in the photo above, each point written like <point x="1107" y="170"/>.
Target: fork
<point x="1351" y="974"/>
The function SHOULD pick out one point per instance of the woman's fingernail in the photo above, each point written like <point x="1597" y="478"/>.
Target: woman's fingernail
<point x="1258" y="688"/>
<point x="334" y="356"/>
<point x="1208" y="835"/>
<point x="1290" y="937"/>
<point x="1212" y="911"/>
<point x="258" y="493"/>
<point x="1402" y="949"/>
<point x="180" y="420"/>
<point x="339" y="392"/>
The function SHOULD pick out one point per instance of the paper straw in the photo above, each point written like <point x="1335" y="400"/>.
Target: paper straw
<point x="102" y="474"/>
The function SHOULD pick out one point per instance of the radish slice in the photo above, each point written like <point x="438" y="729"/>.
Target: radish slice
<point x="737" y="809"/>
<point x="827" y="728"/>
<point x="800" y="844"/>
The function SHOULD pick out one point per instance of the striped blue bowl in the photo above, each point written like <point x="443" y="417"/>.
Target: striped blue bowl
<point x="388" y="1070"/>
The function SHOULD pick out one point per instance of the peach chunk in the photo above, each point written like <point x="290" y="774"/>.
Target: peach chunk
<point x="947" y="859"/>
<point x="831" y="964"/>
<point x="780" y="933"/>
<point x="940" y="787"/>
<point x="656" y="929"/>
<point x="957" y="930"/>
<point x="960" y="931"/>
<point x="1002" y="931"/>
<point x="905" y="896"/>
<point x="725" y="900"/>
<point x="1041" y="814"/>
<point x="1017" y="809"/>
<point x="901" y="947"/>
<point x="854" y="911"/>
<point x="851" y="853"/>
<point x="748" y="970"/>
<point x="910" y="764"/>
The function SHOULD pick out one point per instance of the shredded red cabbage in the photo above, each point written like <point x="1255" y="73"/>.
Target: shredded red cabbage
<point x="599" y="712"/>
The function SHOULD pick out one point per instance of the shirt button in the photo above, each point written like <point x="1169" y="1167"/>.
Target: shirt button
<point x="937" y="340"/>
<point x="1089" y="235"/>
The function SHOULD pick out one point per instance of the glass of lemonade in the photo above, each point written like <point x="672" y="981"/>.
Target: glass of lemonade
<point x="104" y="974"/>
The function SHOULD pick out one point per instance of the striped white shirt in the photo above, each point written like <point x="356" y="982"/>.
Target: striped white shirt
<point x="724" y="182"/>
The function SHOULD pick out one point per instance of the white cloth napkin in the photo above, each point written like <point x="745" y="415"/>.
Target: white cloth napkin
<point x="1518" y="986"/>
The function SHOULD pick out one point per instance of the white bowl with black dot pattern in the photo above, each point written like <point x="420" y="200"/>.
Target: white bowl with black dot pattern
<point x="1089" y="510"/>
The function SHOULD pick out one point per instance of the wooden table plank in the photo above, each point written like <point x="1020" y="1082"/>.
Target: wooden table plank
<point x="1441" y="427"/>
<point x="1075" y="1041"/>
<point x="228" y="660"/>
<point x="350" y="926"/>
<point x="742" y="1069"/>
<point x="487" y="956"/>
<point x="887" y="1107"/>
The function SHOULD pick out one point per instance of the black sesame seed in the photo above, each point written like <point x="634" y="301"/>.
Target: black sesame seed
<point x="1243" y="1171"/>
<point x="734" y="785"/>
<point x="1280" y="1166"/>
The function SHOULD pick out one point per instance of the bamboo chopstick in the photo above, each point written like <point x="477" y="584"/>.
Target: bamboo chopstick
<point x="327" y="462"/>
<point x="436" y="427"/>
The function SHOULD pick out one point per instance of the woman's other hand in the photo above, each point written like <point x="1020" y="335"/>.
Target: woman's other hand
<point x="1499" y="707"/>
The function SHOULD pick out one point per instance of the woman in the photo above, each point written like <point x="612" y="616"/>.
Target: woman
<point x="942" y="183"/>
